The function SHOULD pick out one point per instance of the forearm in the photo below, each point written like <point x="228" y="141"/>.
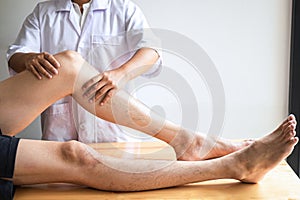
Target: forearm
<point x="140" y="63"/>
<point x="17" y="61"/>
<point x="24" y="89"/>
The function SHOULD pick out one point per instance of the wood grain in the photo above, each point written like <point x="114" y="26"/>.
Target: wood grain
<point x="280" y="183"/>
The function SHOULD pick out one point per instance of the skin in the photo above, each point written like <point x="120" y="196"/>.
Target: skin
<point x="40" y="64"/>
<point x="105" y="84"/>
<point x="74" y="162"/>
<point x="80" y="3"/>
<point x="122" y="109"/>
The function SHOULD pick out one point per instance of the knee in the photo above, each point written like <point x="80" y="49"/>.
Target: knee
<point x="71" y="56"/>
<point x="71" y="62"/>
<point x="76" y="153"/>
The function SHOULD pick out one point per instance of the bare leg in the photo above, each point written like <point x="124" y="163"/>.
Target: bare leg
<point x="77" y="163"/>
<point x="25" y="98"/>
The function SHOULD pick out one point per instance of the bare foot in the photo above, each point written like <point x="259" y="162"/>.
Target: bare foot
<point x="253" y="162"/>
<point x="189" y="146"/>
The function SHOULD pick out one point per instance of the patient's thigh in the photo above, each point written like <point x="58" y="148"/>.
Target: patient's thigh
<point x="40" y="162"/>
<point x="23" y="97"/>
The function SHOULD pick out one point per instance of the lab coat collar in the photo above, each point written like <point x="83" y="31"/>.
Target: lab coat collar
<point x="66" y="5"/>
<point x="63" y="5"/>
<point x="99" y="4"/>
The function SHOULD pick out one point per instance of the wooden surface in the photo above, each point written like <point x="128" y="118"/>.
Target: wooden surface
<point x="280" y="183"/>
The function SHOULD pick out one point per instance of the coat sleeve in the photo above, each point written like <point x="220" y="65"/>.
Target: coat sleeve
<point x="139" y="35"/>
<point x="28" y="39"/>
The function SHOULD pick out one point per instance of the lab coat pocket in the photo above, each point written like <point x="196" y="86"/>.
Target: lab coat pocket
<point x="107" y="49"/>
<point x="58" y="123"/>
<point x="57" y="109"/>
<point x="114" y="40"/>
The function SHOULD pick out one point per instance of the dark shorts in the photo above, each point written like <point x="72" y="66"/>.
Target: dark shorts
<point x="8" y="151"/>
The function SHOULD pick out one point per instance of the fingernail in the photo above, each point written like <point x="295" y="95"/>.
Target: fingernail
<point x="91" y="101"/>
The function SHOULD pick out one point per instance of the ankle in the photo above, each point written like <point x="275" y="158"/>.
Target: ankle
<point x="235" y="168"/>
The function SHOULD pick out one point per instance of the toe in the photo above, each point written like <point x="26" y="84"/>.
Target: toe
<point x="288" y="133"/>
<point x="294" y="133"/>
<point x="292" y="119"/>
<point x="294" y="140"/>
<point x="289" y="128"/>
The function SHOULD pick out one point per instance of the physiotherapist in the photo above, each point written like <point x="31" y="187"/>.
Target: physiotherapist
<point x="109" y="34"/>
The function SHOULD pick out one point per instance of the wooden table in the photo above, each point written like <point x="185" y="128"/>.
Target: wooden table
<point x="280" y="183"/>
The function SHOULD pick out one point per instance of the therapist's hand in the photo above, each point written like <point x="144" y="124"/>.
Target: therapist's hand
<point x="104" y="85"/>
<point x="42" y="64"/>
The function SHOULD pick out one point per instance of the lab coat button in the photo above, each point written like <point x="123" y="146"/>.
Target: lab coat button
<point x="82" y="127"/>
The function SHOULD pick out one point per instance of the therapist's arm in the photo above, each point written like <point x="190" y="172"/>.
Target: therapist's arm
<point x="109" y="82"/>
<point x="140" y="63"/>
<point x="40" y="64"/>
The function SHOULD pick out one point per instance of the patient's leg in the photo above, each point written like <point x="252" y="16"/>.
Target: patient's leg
<point x="125" y="110"/>
<point x="77" y="163"/>
<point x="24" y="98"/>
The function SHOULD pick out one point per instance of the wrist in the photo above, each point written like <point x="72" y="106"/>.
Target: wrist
<point x="125" y="73"/>
<point x="18" y="61"/>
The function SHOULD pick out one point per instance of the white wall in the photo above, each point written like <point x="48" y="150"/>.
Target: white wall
<point x="248" y="42"/>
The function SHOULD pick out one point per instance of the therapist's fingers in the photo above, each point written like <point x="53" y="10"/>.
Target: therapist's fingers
<point x="52" y="60"/>
<point x="49" y="67"/>
<point x="108" y="96"/>
<point x="91" y="82"/>
<point x="92" y="86"/>
<point x="93" y="89"/>
<point x="48" y="63"/>
<point x="42" y="64"/>
<point x="42" y="70"/>
<point x="91" y="92"/>
<point x="102" y="91"/>
<point x="34" y="71"/>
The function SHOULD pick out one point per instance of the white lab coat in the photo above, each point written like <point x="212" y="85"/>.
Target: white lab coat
<point x="52" y="27"/>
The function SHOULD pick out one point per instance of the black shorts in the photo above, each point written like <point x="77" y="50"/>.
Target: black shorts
<point x="8" y="151"/>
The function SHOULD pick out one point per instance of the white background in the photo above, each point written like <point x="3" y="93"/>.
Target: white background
<point x="248" y="41"/>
